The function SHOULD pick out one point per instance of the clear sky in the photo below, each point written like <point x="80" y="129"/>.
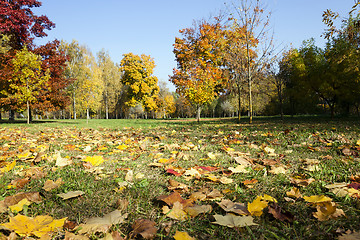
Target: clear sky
<point x="150" y="26"/>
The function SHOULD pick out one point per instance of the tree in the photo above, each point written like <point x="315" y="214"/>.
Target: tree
<point x="74" y="69"/>
<point x="20" y="24"/>
<point x="110" y="75"/>
<point x="199" y="75"/>
<point x="54" y="97"/>
<point x="27" y="78"/>
<point x="165" y="101"/>
<point x="140" y="84"/>
<point x="250" y="21"/>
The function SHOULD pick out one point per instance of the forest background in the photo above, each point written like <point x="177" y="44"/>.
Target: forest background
<point x="228" y="64"/>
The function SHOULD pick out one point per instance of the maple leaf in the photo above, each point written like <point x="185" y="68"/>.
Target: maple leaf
<point x="229" y="206"/>
<point x="94" y="160"/>
<point x="256" y="207"/>
<point x="317" y="199"/>
<point x="182" y="236"/>
<point x="145" y="228"/>
<point x="70" y="194"/>
<point x="196" y="210"/>
<point x="231" y="220"/>
<point x="103" y="224"/>
<point x="38" y="226"/>
<point x="173" y="198"/>
<point x="20" y="205"/>
<point x="176" y="212"/>
<point x="50" y="185"/>
<point x="294" y="193"/>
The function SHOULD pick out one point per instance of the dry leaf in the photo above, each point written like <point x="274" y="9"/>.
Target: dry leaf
<point x="60" y="161"/>
<point x="239" y="169"/>
<point x="196" y="210"/>
<point x="231" y="220"/>
<point x="50" y="184"/>
<point x="94" y="160"/>
<point x="175" y="185"/>
<point x="72" y="236"/>
<point x="103" y="224"/>
<point x="317" y="199"/>
<point x="70" y="194"/>
<point x="20" y="205"/>
<point x="182" y="236"/>
<point x="19" y="183"/>
<point x="177" y="212"/>
<point x="238" y="208"/>
<point x="38" y="226"/>
<point x="294" y="193"/>
<point x="302" y="182"/>
<point x="279" y="213"/>
<point x="145" y="228"/>
<point x="350" y="236"/>
<point x="173" y="198"/>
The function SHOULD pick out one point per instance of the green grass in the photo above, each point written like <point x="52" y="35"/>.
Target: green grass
<point x="294" y="140"/>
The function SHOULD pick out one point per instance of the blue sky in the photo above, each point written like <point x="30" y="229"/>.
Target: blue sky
<point x="150" y="26"/>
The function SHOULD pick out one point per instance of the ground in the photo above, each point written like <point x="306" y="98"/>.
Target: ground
<point x="155" y="179"/>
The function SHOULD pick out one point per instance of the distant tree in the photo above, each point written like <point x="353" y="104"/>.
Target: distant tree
<point x="141" y="84"/>
<point x="165" y="101"/>
<point x="54" y="97"/>
<point x="20" y="24"/>
<point x="251" y="22"/>
<point x="27" y="79"/>
<point x="199" y="75"/>
<point x="111" y="77"/>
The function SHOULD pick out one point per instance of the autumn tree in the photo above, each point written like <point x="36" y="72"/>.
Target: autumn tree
<point x="54" y="97"/>
<point x="250" y="22"/>
<point x="27" y="79"/>
<point x="139" y="82"/>
<point x="74" y="69"/>
<point x="111" y="78"/>
<point x="199" y="75"/>
<point x="165" y="101"/>
<point x="19" y="25"/>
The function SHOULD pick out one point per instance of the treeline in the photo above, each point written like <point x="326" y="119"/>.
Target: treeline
<point x="226" y="66"/>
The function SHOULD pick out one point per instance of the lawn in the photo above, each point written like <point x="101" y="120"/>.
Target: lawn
<point x="165" y="179"/>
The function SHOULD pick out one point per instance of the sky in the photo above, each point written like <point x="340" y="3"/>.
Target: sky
<point x="150" y="26"/>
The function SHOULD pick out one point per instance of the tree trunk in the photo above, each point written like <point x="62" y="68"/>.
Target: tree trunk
<point x="11" y="115"/>
<point x="239" y="106"/>
<point x="87" y="115"/>
<point x="106" y="106"/>
<point x="74" y="105"/>
<point x="198" y="112"/>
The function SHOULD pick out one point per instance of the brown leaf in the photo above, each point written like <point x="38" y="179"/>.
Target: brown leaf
<point x="50" y="184"/>
<point x="301" y="182"/>
<point x="19" y="183"/>
<point x="196" y="210"/>
<point x="70" y="194"/>
<point x="175" y="197"/>
<point x="12" y="200"/>
<point x="238" y="208"/>
<point x="72" y="236"/>
<point x="175" y="185"/>
<point x="70" y="225"/>
<point x="279" y="213"/>
<point x="177" y="212"/>
<point x="146" y="228"/>
<point x="122" y="204"/>
<point x="350" y="236"/>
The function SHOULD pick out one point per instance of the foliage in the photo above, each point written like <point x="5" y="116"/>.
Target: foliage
<point x="141" y="85"/>
<point x="199" y="76"/>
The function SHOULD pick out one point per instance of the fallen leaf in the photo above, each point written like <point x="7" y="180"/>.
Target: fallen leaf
<point x="70" y="194"/>
<point x="38" y="226"/>
<point x="182" y="236"/>
<point x="302" y="182"/>
<point x="8" y="167"/>
<point x="196" y="210"/>
<point x="350" y="236"/>
<point x="103" y="224"/>
<point x="20" y="205"/>
<point x="239" y="169"/>
<point x="145" y="228"/>
<point x="19" y="183"/>
<point x="294" y="193"/>
<point x="317" y="199"/>
<point x="60" y="161"/>
<point x="175" y="185"/>
<point x="94" y="160"/>
<point x="176" y="212"/>
<point x="72" y="236"/>
<point x="238" y="208"/>
<point x="50" y="184"/>
<point x="277" y="170"/>
<point x="231" y="220"/>
<point x="279" y="213"/>
<point x="173" y="198"/>
<point x="256" y="207"/>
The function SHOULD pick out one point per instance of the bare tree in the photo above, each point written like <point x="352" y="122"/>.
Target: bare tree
<point x="251" y="43"/>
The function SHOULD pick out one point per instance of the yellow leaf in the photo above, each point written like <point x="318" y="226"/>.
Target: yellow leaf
<point x="20" y="205"/>
<point x="122" y="147"/>
<point x="257" y="206"/>
<point x="182" y="236"/>
<point x="8" y="168"/>
<point x="231" y="220"/>
<point x="267" y="198"/>
<point x="176" y="212"/>
<point x="94" y="160"/>
<point x="294" y="193"/>
<point x="317" y="199"/>
<point x="38" y="226"/>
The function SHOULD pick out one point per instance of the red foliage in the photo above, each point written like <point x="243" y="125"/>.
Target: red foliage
<point x="20" y="23"/>
<point x="54" y="97"/>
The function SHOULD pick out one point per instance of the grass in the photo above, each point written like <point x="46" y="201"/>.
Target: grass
<point x="188" y="144"/>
